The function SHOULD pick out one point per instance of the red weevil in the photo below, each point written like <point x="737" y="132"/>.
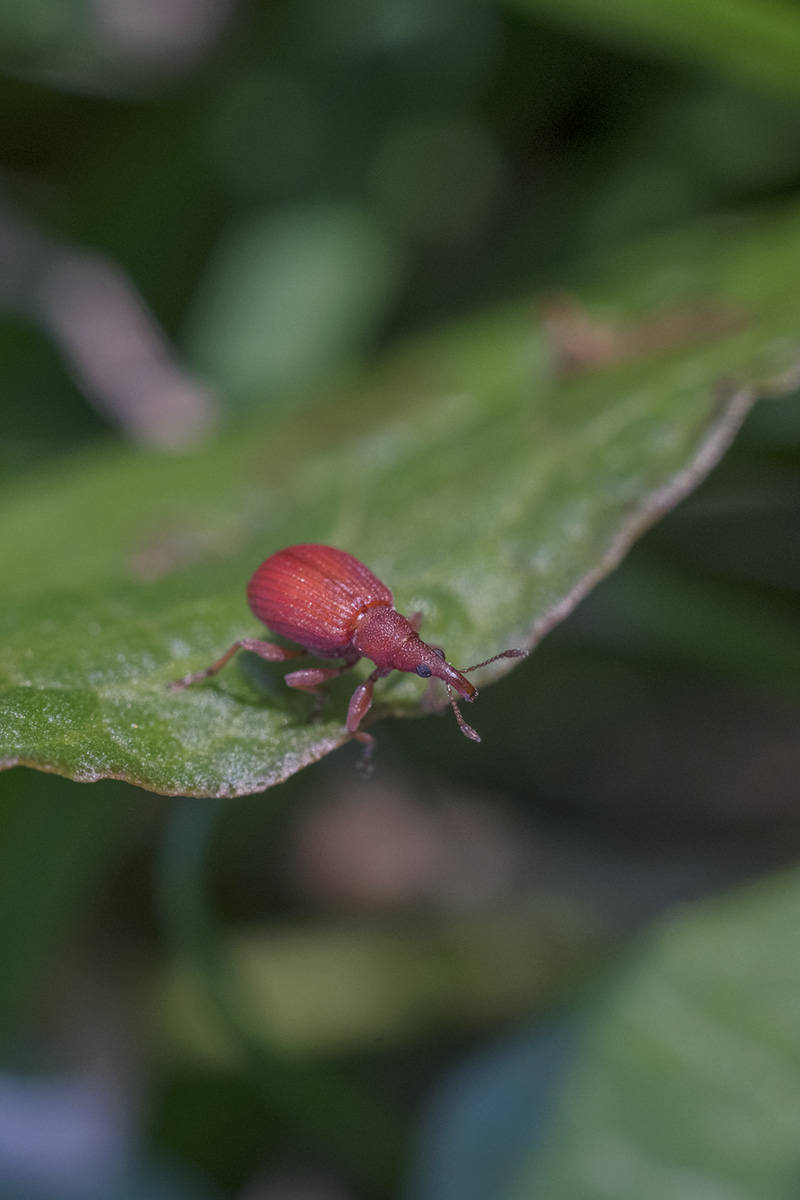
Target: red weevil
<point x="332" y="606"/>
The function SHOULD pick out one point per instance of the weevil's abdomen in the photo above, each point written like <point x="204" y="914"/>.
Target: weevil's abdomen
<point x="313" y="595"/>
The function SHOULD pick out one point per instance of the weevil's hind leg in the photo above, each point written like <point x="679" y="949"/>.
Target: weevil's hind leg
<point x="266" y="650"/>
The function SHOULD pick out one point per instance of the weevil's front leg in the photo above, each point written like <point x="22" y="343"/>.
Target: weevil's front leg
<point x="267" y="650"/>
<point x="365" y="763"/>
<point x="360" y="702"/>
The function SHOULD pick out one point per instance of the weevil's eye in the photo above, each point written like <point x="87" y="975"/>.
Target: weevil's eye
<point x="423" y="671"/>
<point x="438" y="650"/>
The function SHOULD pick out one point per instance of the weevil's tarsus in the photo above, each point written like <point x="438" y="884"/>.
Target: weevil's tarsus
<point x="365" y="763"/>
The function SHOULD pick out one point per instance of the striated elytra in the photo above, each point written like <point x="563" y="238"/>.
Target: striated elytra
<point x="332" y="606"/>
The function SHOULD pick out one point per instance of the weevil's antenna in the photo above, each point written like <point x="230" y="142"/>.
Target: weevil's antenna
<point x="494" y="658"/>
<point x="466" y="729"/>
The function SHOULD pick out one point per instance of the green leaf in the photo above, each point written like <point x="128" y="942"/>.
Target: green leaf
<point x="689" y="1084"/>
<point x="489" y="491"/>
<point x="746" y="40"/>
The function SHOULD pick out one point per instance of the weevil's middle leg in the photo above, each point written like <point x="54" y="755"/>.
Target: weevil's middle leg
<point x="310" y="679"/>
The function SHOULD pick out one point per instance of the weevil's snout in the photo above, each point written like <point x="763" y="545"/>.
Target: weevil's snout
<point x="457" y="679"/>
<point x="458" y="682"/>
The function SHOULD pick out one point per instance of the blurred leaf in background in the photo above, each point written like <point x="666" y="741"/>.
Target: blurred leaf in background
<point x="290" y="299"/>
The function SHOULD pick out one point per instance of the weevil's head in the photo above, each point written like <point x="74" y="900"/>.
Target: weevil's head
<point x="393" y="644"/>
<point x="429" y="661"/>
<point x="391" y="641"/>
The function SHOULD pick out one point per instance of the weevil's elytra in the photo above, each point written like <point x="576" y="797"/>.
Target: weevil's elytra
<point x="332" y="606"/>
<point x="313" y="595"/>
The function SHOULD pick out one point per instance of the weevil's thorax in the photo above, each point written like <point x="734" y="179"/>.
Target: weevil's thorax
<point x="381" y="633"/>
<point x="388" y="638"/>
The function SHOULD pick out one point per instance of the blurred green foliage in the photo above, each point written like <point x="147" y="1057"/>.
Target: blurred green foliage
<point x="291" y="187"/>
